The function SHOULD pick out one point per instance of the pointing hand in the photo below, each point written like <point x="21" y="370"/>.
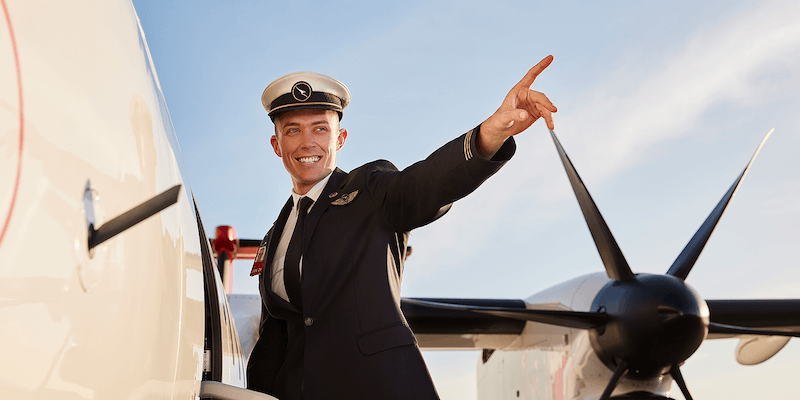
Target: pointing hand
<point x="520" y="109"/>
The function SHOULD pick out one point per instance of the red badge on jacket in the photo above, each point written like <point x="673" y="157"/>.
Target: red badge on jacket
<point x="258" y="264"/>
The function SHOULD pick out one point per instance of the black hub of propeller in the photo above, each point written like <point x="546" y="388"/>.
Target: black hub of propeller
<point x="654" y="323"/>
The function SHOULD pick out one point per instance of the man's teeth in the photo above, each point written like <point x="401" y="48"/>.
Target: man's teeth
<point x="309" y="159"/>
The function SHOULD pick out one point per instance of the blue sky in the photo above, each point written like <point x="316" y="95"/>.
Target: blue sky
<point x="661" y="104"/>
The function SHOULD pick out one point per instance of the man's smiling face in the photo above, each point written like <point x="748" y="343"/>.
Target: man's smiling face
<point x="307" y="141"/>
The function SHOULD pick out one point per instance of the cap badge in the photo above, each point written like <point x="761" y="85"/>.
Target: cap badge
<point x="301" y="91"/>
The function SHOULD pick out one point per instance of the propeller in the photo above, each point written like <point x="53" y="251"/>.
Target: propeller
<point x="655" y="322"/>
<point x="685" y="261"/>
<point x="616" y="266"/>
<point x="640" y="325"/>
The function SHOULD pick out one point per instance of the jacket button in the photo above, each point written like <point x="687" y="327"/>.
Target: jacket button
<point x="309" y="321"/>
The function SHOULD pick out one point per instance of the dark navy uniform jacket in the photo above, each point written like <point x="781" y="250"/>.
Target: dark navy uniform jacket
<point x="350" y="340"/>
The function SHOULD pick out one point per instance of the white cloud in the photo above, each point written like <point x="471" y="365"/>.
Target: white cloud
<point x="626" y="118"/>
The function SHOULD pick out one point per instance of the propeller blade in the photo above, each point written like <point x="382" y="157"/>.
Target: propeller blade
<point x="714" y="327"/>
<point x="755" y="313"/>
<point x="676" y="374"/>
<point x="685" y="261"/>
<point x="569" y="319"/>
<point x="616" y="266"/>
<point x="429" y="320"/>
<point x="622" y="369"/>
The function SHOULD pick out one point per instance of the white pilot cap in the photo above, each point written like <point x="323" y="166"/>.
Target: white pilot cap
<point x="305" y="90"/>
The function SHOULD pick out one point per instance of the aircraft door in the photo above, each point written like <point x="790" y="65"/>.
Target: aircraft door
<point x="223" y="361"/>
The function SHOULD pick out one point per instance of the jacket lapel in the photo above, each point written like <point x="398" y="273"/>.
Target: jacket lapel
<point x="275" y="235"/>
<point x="277" y="307"/>
<point x="280" y="307"/>
<point x="336" y="181"/>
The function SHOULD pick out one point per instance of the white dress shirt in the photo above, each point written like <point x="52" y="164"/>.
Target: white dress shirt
<point x="278" y="285"/>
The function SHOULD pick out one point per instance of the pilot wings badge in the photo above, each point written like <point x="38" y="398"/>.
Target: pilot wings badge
<point x="345" y="199"/>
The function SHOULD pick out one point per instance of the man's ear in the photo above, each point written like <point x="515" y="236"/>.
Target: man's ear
<point x="274" y="141"/>
<point x="341" y="138"/>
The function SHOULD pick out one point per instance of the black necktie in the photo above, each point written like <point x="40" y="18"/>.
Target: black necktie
<point x="291" y="264"/>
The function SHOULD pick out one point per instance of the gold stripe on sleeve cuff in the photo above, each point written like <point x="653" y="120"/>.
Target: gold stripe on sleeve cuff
<point x="468" y="145"/>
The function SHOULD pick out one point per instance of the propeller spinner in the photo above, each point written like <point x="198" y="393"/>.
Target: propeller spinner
<point x="655" y="322"/>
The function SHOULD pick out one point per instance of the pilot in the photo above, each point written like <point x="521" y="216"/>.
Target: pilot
<point x="330" y="267"/>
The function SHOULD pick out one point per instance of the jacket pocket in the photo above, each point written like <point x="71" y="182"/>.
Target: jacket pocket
<point x="385" y="338"/>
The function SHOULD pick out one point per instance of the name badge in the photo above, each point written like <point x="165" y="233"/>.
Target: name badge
<point x="258" y="264"/>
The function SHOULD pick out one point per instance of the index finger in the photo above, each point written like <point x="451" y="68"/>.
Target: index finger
<point x="537" y="69"/>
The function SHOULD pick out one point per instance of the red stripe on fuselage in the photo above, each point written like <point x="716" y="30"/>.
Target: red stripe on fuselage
<point x="21" y="119"/>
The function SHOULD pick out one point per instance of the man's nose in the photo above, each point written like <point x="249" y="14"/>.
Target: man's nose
<point x="307" y="136"/>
